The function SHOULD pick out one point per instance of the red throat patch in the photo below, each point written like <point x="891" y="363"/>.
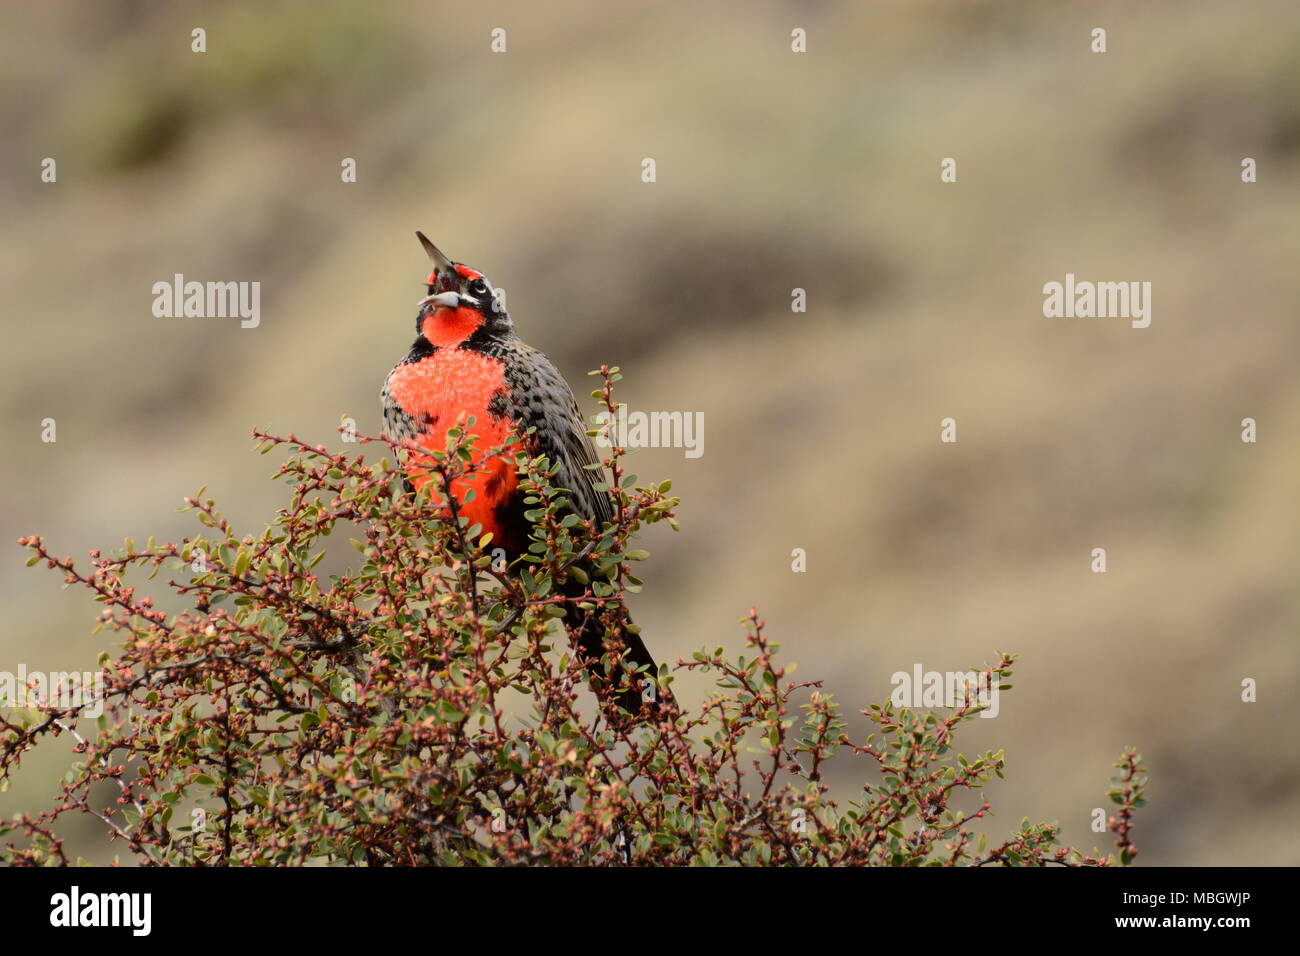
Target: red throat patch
<point x="449" y="327"/>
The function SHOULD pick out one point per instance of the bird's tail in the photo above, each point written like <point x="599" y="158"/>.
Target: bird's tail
<point x="589" y="634"/>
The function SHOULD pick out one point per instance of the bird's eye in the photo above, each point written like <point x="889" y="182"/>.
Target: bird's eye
<point x="478" y="287"/>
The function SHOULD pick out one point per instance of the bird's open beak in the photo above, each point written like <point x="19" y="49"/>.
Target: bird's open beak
<point x="441" y="300"/>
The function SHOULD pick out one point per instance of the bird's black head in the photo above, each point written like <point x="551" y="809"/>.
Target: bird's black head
<point x="461" y="303"/>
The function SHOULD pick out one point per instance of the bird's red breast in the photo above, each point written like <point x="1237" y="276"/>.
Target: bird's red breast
<point x="443" y="389"/>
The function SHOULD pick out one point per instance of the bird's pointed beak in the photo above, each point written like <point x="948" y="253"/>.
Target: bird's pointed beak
<point x="440" y="262"/>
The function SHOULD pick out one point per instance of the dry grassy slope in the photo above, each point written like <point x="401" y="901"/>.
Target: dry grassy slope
<point x="821" y="429"/>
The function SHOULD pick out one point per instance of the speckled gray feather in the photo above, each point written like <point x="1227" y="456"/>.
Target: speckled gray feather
<point x="539" y="397"/>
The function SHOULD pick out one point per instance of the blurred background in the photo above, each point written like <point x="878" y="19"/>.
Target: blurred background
<point x="775" y="170"/>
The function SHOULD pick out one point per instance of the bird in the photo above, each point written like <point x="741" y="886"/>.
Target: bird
<point x="467" y="361"/>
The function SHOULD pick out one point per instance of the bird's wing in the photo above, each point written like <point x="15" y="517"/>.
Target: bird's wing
<point x="541" y="398"/>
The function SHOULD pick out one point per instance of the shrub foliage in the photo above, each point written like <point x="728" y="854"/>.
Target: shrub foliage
<point x="425" y="707"/>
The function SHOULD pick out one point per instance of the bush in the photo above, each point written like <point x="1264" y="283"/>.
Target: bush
<point x="426" y="707"/>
